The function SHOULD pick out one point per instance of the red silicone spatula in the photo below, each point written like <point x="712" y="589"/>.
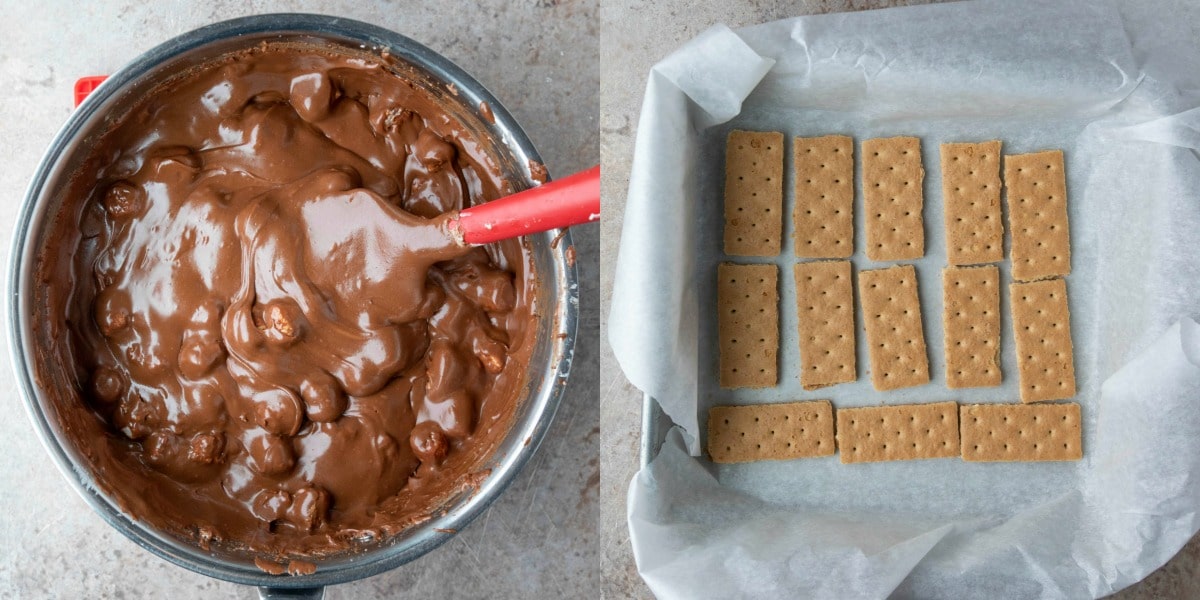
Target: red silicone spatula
<point x="561" y="203"/>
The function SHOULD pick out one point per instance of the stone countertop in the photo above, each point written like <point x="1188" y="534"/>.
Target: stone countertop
<point x="539" y="539"/>
<point x="635" y="35"/>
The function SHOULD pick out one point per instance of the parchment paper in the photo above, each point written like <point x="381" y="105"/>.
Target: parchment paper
<point x="1111" y="85"/>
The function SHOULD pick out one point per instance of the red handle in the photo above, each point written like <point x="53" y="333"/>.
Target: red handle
<point x="86" y="85"/>
<point x="560" y="203"/>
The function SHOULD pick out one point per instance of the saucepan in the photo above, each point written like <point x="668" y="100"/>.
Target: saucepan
<point x="556" y="293"/>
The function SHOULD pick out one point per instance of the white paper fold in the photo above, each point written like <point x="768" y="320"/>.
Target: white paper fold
<point x="1106" y="83"/>
<point x="700" y="85"/>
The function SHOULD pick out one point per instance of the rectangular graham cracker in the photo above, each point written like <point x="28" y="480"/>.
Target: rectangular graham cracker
<point x="895" y="339"/>
<point x="748" y="324"/>
<point x="1020" y="432"/>
<point x="1042" y="327"/>
<point x="905" y="432"/>
<point x="824" y="211"/>
<point x="753" y="193"/>
<point x="1037" y="215"/>
<point x="825" y="308"/>
<point x="770" y="432"/>
<point x="971" y="201"/>
<point x="971" y="326"/>
<point x="893" y="197"/>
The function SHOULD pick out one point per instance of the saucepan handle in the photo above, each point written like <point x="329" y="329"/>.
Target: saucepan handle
<point x="270" y="593"/>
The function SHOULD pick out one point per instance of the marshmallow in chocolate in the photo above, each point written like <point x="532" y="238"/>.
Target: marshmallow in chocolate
<point x="278" y="346"/>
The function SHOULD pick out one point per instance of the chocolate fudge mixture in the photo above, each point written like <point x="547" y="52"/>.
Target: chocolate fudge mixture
<point x="274" y="345"/>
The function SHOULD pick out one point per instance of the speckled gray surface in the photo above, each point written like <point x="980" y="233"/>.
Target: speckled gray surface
<point x="539" y="539"/>
<point x="635" y="34"/>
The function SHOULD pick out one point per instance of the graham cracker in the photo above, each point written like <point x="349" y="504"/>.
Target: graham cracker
<point x="748" y="324"/>
<point x="770" y="432"/>
<point x="1042" y="327"/>
<point x="971" y="326"/>
<point x="824" y="211"/>
<point x="895" y="339"/>
<point x="825" y="307"/>
<point x="893" y="197"/>
<point x="971" y="202"/>
<point x="753" y="193"/>
<point x="1037" y="215"/>
<point x="907" y="432"/>
<point x="1021" y="432"/>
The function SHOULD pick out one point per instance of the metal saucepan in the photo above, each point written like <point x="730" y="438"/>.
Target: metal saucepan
<point x="557" y="292"/>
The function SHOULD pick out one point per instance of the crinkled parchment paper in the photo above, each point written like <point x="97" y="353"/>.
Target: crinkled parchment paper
<point x="1117" y="87"/>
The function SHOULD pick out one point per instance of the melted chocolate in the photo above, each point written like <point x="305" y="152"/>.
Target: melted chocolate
<point x="274" y="343"/>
